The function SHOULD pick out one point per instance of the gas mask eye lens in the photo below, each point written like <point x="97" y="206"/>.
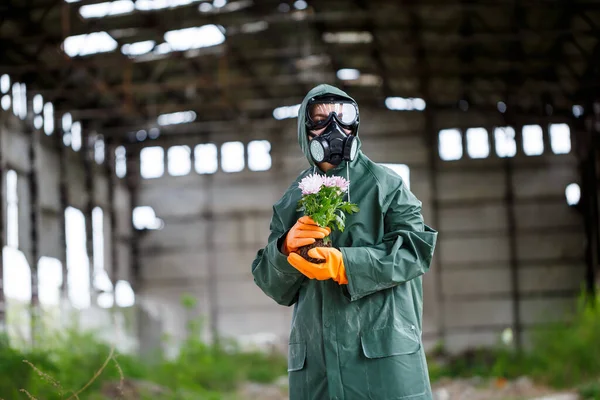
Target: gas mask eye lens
<point x="347" y="114"/>
<point x="321" y="112"/>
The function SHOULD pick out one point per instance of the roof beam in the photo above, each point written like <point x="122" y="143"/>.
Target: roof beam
<point x="376" y="51"/>
<point x="181" y="17"/>
<point x="210" y="84"/>
<point x="438" y="55"/>
<point x="226" y="126"/>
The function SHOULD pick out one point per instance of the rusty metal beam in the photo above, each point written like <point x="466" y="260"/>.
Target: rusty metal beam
<point x="87" y="160"/>
<point x="516" y="79"/>
<point x="588" y="204"/>
<point x="63" y="189"/>
<point x="391" y="52"/>
<point x="376" y="47"/>
<point x="34" y="215"/>
<point x="2" y="228"/>
<point x="132" y="182"/>
<point x="185" y="18"/>
<point x="201" y="128"/>
<point x="151" y="111"/>
<point x="210" y="84"/>
<point x="109" y="168"/>
<point x="421" y="63"/>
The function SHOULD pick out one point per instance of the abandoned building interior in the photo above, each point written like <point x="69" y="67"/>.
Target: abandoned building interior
<point x="143" y="145"/>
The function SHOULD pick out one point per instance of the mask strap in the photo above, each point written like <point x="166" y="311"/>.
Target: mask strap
<point x="348" y="176"/>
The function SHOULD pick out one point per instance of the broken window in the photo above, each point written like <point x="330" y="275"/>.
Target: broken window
<point x="205" y="156"/>
<point x="504" y="138"/>
<point x="19" y="100"/>
<point x="478" y="143"/>
<point x="100" y="10"/>
<point x="48" y="119"/>
<point x="76" y="136"/>
<point x="38" y="108"/>
<point x="78" y="263"/>
<point x="573" y="194"/>
<point x="259" y="155"/>
<point x="12" y="212"/>
<point x="560" y="138"/>
<point x="50" y="281"/>
<point x="124" y="294"/>
<point x="99" y="150"/>
<point x="90" y="43"/>
<point x="120" y="162"/>
<point x="17" y="273"/>
<point x="98" y="238"/>
<point x="179" y="161"/>
<point x="152" y="162"/>
<point x="232" y="157"/>
<point x="533" y="140"/>
<point x="67" y="124"/>
<point x="144" y="217"/>
<point x="4" y="90"/>
<point x="450" y="144"/>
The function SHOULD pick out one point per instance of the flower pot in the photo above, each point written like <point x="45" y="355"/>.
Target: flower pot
<point x="303" y="251"/>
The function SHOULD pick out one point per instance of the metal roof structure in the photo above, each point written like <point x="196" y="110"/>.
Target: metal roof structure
<point x="225" y="61"/>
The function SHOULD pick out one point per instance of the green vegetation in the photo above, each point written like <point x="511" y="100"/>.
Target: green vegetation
<point x="62" y="363"/>
<point x="561" y="355"/>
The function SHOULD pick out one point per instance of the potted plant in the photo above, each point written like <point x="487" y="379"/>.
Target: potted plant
<point x="323" y="201"/>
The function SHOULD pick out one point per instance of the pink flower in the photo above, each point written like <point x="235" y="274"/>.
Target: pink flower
<point x="311" y="184"/>
<point x="337" y="181"/>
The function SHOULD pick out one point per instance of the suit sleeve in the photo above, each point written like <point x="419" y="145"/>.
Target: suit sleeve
<point x="405" y="253"/>
<point x="271" y="270"/>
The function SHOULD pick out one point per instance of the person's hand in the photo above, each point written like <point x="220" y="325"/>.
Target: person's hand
<point x="332" y="268"/>
<point x="304" y="232"/>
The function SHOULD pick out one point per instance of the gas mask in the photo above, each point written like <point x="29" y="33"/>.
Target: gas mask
<point x="332" y="145"/>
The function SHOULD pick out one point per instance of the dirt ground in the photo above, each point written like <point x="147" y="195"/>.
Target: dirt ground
<point x="445" y="389"/>
<point x="479" y="389"/>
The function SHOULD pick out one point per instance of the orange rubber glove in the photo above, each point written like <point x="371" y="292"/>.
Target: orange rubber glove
<point x="304" y="232"/>
<point x="332" y="268"/>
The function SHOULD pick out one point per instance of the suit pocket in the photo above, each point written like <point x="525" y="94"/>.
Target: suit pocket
<point x="395" y="368"/>
<point x="296" y="356"/>
<point x="298" y="372"/>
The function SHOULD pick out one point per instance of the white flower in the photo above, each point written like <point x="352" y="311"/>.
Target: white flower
<point x="337" y="181"/>
<point x="311" y="184"/>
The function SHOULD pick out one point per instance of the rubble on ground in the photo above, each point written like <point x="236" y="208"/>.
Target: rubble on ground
<point x="477" y="388"/>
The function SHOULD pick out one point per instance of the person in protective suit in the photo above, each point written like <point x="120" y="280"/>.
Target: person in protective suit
<point x="357" y="318"/>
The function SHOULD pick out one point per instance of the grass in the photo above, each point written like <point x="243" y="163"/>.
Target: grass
<point x="562" y="355"/>
<point x="76" y="364"/>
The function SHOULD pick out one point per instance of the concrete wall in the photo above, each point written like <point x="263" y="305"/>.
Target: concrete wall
<point x="510" y="251"/>
<point x="488" y="275"/>
<point x="45" y="190"/>
<point x="213" y="227"/>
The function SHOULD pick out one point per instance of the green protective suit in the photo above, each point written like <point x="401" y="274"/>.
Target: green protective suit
<point x="361" y="340"/>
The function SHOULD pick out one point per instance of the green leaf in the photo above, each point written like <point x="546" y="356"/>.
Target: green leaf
<point x="327" y="207"/>
<point x="354" y="208"/>
<point x="340" y="222"/>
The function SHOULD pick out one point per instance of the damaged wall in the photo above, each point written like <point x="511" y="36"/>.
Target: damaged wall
<point x="50" y="178"/>
<point x="510" y="249"/>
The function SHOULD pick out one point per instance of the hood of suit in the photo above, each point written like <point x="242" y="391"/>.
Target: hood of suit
<point x="303" y="140"/>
